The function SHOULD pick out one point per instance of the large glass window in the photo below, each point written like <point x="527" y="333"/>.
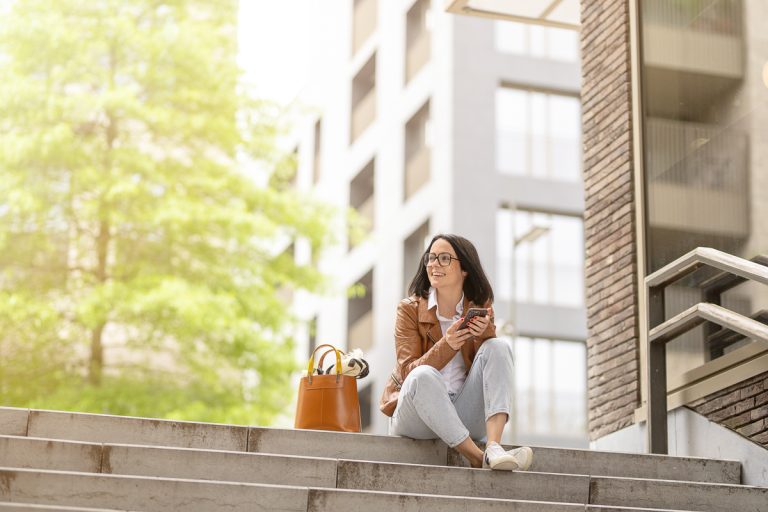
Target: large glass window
<point x="537" y="41"/>
<point x="705" y="115"/>
<point x="538" y="134"/>
<point x="541" y="257"/>
<point x="550" y="389"/>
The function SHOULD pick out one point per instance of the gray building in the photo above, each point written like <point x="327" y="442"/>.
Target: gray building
<point x="433" y="123"/>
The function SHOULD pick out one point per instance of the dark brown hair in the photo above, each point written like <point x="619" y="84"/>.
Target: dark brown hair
<point x="477" y="288"/>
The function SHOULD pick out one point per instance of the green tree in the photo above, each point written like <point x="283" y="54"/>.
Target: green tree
<point x="137" y="270"/>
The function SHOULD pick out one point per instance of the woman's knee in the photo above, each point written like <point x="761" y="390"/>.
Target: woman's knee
<point x="497" y="346"/>
<point x="423" y="376"/>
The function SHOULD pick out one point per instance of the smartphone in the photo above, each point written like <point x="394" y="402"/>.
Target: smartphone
<point x="472" y="313"/>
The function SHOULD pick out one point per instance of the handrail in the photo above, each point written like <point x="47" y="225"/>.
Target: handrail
<point x="701" y="256"/>
<point x="661" y="332"/>
<point x="724" y="281"/>
<point x="703" y="312"/>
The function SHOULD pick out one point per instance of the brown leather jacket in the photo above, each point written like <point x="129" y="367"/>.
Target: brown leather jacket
<point x="419" y="340"/>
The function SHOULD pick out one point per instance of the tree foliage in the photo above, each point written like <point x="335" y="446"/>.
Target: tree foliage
<point x="137" y="265"/>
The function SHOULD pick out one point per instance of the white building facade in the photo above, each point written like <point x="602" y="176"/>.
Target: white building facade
<point x="431" y="123"/>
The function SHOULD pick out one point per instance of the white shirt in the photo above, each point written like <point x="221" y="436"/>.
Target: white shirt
<point x="454" y="372"/>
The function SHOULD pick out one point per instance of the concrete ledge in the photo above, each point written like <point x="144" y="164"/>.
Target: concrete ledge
<point x="322" y="500"/>
<point x="145" y="494"/>
<point x="341" y="445"/>
<point x="27" y="507"/>
<point x="58" y="490"/>
<point x="128" y="430"/>
<point x="13" y="421"/>
<point x="220" y="466"/>
<point x="408" y="478"/>
<point x="24" y="452"/>
<point x="701" y="497"/>
<point x="627" y="465"/>
<point x="338" y="445"/>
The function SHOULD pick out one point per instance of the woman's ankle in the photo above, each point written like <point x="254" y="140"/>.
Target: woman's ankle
<point x="471" y="452"/>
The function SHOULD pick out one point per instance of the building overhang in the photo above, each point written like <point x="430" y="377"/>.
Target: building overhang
<point x="549" y="13"/>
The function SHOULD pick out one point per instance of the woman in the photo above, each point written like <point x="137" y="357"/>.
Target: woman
<point x="449" y="382"/>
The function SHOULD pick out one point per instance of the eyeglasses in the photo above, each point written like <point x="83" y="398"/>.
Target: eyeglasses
<point x="444" y="259"/>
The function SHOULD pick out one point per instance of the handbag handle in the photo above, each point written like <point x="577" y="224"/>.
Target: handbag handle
<point x="322" y="357"/>
<point x="312" y="362"/>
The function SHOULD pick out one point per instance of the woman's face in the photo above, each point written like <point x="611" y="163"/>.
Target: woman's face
<point x="450" y="276"/>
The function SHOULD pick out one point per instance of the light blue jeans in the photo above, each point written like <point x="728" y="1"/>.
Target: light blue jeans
<point x="425" y="410"/>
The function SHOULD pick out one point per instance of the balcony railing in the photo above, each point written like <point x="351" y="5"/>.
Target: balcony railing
<point x="684" y="37"/>
<point x="718" y="17"/>
<point x="697" y="178"/>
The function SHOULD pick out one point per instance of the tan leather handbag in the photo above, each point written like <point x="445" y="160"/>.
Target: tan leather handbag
<point x="328" y="402"/>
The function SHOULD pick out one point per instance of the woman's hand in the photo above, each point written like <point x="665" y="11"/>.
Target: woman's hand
<point x="456" y="337"/>
<point x="478" y="324"/>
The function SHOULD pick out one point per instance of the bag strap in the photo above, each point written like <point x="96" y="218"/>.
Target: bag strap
<point x="322" y="357"/>
<point x="312" y="361"/>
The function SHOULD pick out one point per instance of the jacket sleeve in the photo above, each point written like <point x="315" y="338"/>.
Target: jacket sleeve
<point x="409" y="344"/>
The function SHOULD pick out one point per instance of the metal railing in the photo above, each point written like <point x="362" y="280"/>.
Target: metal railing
<point x="733" y="271"/>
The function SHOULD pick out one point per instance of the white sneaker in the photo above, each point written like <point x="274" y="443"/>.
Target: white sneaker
<point x="497" y="458"/>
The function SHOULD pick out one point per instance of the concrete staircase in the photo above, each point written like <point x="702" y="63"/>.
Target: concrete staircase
<point x="71" y="461"/>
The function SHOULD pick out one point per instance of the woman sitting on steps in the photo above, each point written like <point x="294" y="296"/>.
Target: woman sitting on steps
<point x="451" y="383"/>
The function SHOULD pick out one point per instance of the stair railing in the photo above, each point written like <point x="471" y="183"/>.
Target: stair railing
<point x="735" y="271"/>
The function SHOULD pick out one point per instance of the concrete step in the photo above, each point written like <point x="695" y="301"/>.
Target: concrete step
<point x="597" y="490"/>
<point x="160" y="495"/>
<point x="179" y="463"/>
<point x="336" y="445"/>
<point x="31" y="507"/>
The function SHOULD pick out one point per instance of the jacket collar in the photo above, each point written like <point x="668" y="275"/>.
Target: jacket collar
<point x="432" y="302"/>
<point x="429" y="316"/>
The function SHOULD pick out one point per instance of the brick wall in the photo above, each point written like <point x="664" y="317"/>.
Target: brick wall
<point x="609" y="223"/>
<point x="742" y="407"/>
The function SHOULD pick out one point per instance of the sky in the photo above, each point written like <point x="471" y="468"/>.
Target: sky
<point x="283" y="44"/>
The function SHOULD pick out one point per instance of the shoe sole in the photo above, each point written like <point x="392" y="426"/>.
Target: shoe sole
<point x="505" y="465"/>
<point x="524" y="465"/>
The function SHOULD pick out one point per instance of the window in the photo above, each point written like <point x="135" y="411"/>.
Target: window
<point x="363" y="98"/>
<point x="361" y="199"/>
<point x="538" y="134"/>
<point x="537" y="41"/>
<point x="360" y="314"/>
<point x="550" y="387"/>
<point x="545" y="254"/>
<point x="417" y="151"/>
<point x="413" y="248"/>
<point x="364" y="19"/>
<point x="417" y="38"/>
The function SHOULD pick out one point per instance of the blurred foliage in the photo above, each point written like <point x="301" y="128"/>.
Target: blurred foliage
<point x="137" y="266"/>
